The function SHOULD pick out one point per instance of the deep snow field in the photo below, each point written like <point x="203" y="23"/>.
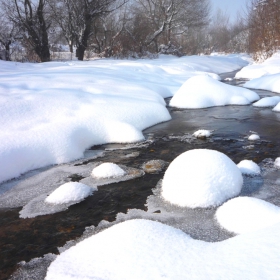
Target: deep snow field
<point x="53" y="113"/>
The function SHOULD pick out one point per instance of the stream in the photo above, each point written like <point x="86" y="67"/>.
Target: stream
<point x="26" y="239"/>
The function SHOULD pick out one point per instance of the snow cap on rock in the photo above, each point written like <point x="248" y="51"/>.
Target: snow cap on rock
<point x="202" y="133"/>
<point x="254" y="137"/>
<point x="107" y="170"/>
<point x="201" y="178"/>
<point x="69" y="192"/>
<point x="277" y="162"/>
<point x="249" y="167"/>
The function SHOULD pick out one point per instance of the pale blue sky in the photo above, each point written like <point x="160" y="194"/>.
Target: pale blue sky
<point x="230" y="6"/>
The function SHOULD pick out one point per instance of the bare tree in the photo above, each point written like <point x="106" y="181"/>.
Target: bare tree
<point x="165" y="20"/>
<point x="220" y="31"/>
<point x="8" y="35"/>
<point x="32" y="18"/>
<point x="76" y="18"/>
<point x="264" y="23"/>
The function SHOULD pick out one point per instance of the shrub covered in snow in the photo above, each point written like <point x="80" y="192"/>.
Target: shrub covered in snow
<point x="249" y="167"/>
<point x="170" y="49"/>
<point x="69" y="192"/>
<point x="203" y="91"/>
<point x="201" y="178"/>
<point x="245" y="214"/>
<point x="107" y="170"/>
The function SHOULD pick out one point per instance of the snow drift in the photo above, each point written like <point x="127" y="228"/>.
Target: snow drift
<point x="247" y="214"/>
<point x="51" y="112"/>
<point x="203" y="91"/>
<point x="142" y="249"/>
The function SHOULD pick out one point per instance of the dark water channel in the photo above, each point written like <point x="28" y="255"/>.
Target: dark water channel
<point x="25" y="239"/>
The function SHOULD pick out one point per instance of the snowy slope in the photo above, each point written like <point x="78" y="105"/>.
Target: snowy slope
<point x="51" y="112"/>
<point x="142" y="249"/>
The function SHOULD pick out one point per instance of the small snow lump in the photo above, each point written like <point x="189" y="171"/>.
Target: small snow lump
<point x="201" y="178"/>
<point x="249" y="167"/>
<point x="107" y="170"/>
<point x="202" y="133"/>
<point x="254" y="137"/>
<point x="69" y="192"/>
<point x="277" y="163"/>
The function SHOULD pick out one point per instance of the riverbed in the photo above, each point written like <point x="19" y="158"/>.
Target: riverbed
<point x="26" y="239"/>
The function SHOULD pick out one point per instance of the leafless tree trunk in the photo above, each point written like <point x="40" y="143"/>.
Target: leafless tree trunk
<point x="30" y="16"/>
<point x="79" y="17"/>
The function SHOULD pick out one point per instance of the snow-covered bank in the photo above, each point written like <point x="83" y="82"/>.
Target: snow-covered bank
<point x="257" y="70"/>
<point x="142" y="249"/>
<point x="52" y="112"/>
<point x="265" y="76"/>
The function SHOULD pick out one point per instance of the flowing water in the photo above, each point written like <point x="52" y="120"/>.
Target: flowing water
<point x="26" y="239"/>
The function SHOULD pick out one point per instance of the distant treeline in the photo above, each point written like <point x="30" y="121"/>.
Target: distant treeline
<point x="34" y="30"/>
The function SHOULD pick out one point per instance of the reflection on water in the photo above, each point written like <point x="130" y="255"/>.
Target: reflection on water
<point x="24" y="239"/>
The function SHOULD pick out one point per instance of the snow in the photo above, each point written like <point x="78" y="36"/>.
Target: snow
<point x="203" y="91"/>
<point x="267" y="101"/>
<point x="276" y="108"/>
<point x="249" y="167"/>
<point x="267" y="82"/>
<point x="277" y="162"/>
<point x="32" y="193"/>
<point x="142" y="249"/>
<point x="202" y="133"/>
<point x="107" y="170"/>
<point x="254" y="137"/>
<point x="51" y="112"/>
<point x="69" y="192"/>
<point x="247" y="214"/>
<point x="268" y="67"/>
<point x="201" y="178"/>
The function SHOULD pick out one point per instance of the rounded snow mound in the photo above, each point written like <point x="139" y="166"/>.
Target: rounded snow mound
<point x="249" y="167"/>
<point x="246" y="214"/>
<point x="107" y="170"/>
<point x="201" y="178"/>
<point x="254" y="137"/>
<point x="277" y="162"/>
<point x="203" y="91"/>
<point x="69" y="192"/>
<point x="276" y="108"/>
<point x="202" y="133"/>
<point x="267" y="101"/>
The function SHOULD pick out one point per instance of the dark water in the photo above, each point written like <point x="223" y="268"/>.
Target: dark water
<point x="25" y="239"/>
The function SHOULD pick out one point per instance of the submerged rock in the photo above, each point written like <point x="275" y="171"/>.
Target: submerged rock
<point x="154" y="166"/>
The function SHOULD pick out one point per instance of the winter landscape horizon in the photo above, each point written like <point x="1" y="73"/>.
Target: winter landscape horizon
<point x="139" y="140"/>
